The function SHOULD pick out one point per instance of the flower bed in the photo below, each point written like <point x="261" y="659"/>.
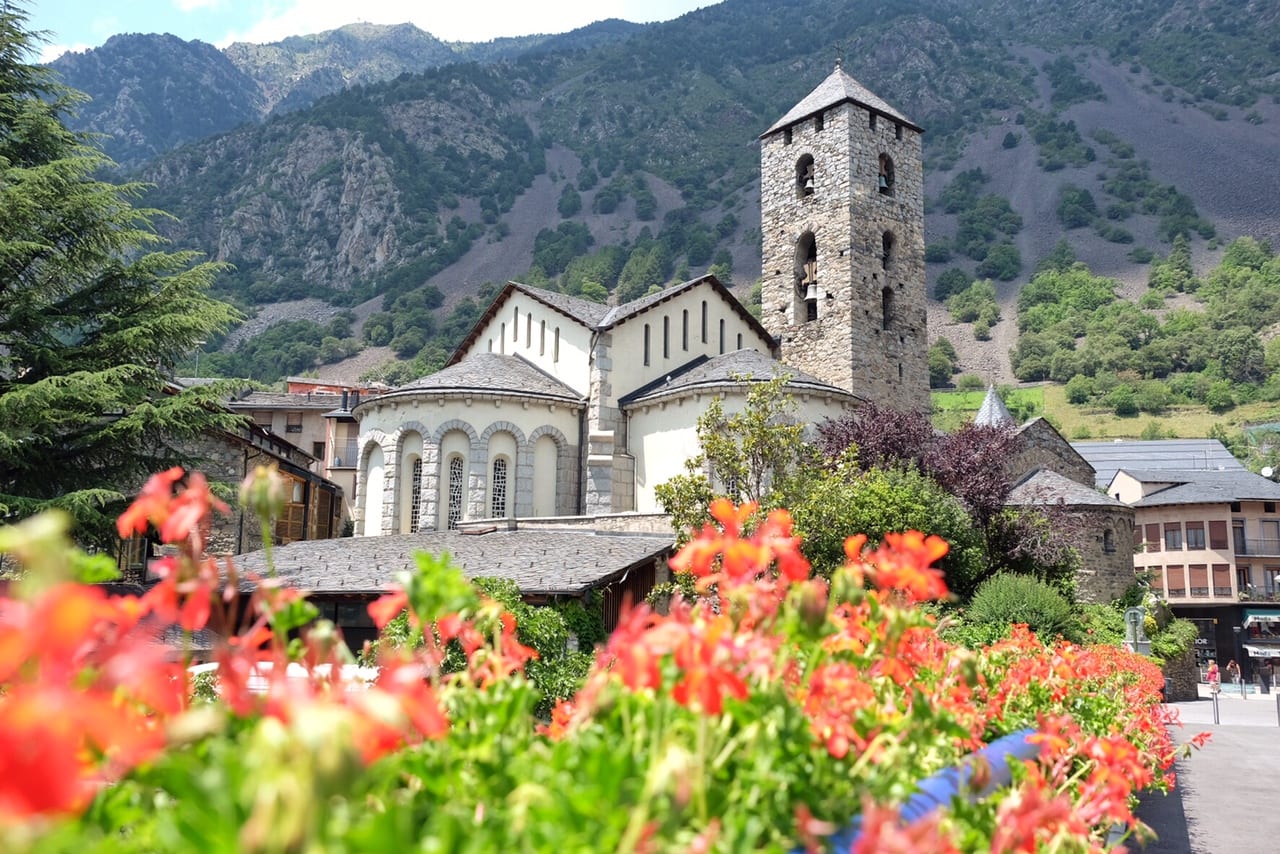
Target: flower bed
<point x="767" y="715"/>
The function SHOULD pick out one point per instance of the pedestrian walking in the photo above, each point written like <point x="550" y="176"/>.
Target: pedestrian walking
<point x="1233" y="673"/>
<point x="1214" y="677"/>
<point x="1264" y="674"/>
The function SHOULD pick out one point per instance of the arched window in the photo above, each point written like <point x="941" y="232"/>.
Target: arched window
<point x="684" y="329"/>
<point x="886" y="308"/>
<point x="704" y="321"/>
<point x="804" y="176"/>
<point x="373" y="485"/>
<point x="528" y="330"/>
<point x="666" y="337"/>
<point x="456" y="474"/>
<point x="542" y="337"/>
<point x="1108" y="541"/>
<point x="515" y="324"/>
<point x="646" y="344"/>
<point x="885" y="180"/>
<point x="415" y="496"/>
<point x="498" y="489"/>
<point x="555" y="350"/>
<point x="806" y="275"/>
<point x="722" y="336"/>
<point x="886" y="246"/>
<point x="502" y="339"/>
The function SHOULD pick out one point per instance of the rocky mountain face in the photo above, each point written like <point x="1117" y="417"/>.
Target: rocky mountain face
<point x="635" y="145"/>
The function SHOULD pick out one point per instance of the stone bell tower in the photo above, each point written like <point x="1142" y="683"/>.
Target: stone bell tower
<point x="842" y="216"/>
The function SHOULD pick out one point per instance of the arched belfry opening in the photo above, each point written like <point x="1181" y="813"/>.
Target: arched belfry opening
<point x="804" y="176"/>
<point x="886" y="249"/>
<point x="806" y="275"/>
<point x="885" y="179"/>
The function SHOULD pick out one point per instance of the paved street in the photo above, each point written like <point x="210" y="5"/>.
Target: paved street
<point x="1226" y="795"/>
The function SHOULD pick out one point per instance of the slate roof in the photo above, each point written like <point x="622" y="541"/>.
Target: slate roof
<point x="1146" y="455"/>
<point x="601" y="318"/>
<point x="838" y="88"/>
<point x="286" y="400"/>
<point x="704" y="372"/>
<point x="540" y="562"/>
<point x="993" y="412"/>
<point x="1045" y="486"/>
<point x="1205" y="487"/>
<point x="495" y="373"/>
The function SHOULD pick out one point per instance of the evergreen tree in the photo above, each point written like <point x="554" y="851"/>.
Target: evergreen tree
<point x="92" y="317"/>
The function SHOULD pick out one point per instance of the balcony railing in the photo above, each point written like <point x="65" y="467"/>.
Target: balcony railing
<point x="1270" y="547"/>
<point x="346" y="456"/>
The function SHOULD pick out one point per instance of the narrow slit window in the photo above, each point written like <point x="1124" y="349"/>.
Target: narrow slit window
<point x="555" y="349"/>
<point x="684" y="330"/>
<point x="704" y="321"/>
<point x="542" y="338"/>
<point x="722" y="336"/>
<point x="646" y="344"/>
<point x="666" y="337"/>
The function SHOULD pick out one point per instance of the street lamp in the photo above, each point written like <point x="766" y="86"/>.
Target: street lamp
<point x="199" y="344"/>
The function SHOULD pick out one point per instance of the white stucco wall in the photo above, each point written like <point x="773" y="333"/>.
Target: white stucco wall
<point x="527" y="328"/>
<point x="629" y="372"/>
<point x="664" y="437"/>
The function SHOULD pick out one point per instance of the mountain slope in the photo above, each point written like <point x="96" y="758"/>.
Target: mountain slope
<point x="643" y="139"/>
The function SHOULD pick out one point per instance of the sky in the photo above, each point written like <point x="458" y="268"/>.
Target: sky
<point x="82" y="24"/>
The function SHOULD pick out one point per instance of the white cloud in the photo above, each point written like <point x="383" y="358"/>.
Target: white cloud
<point x="192" y="5"/>
<point x="477" y="20"/>
<point x="50" y="52"/>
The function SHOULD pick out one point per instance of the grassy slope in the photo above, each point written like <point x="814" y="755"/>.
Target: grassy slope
<point x="952" y="409"/>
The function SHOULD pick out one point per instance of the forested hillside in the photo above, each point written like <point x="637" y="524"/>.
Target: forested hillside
<point x="629" y="158"/>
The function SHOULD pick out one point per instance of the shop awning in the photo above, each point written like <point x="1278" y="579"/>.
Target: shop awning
<point x="1257" y="651"/>
<point x="1253" y="615"/>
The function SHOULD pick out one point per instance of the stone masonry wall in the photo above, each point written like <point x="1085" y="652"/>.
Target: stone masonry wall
<point x="855" y="343"/>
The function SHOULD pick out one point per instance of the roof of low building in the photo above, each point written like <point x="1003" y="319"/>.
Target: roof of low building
<point x="1045" y="486"/>
<point x="1204" y="487"/>
<point x="838" y="88"/>
<point x="1147" y="455"/>
<point x="540" y="562"/>
<point x="286" y="400"/>
<point x="735" y="367"/>
<point x="493" y="373"/>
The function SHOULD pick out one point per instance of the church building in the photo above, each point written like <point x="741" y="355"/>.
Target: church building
<point x="557" y="406"/>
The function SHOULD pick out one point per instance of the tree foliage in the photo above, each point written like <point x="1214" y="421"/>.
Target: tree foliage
<point x="93" y="317"/>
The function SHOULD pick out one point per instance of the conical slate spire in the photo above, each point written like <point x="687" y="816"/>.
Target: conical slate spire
<point x="993" y="412"/>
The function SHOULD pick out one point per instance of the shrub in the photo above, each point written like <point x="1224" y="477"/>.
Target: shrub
<point x="1007" y="598"/>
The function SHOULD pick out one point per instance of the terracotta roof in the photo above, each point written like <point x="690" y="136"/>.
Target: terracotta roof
<point x="735" y="367"/>
<point x="539" y="561"/>
<point x="494" y="373"/>
<point x="838" y="88"/>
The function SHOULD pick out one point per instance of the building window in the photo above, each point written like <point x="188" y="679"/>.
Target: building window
<point x="886" y="308"/>
<point x="897" y="132"/>
<point x="1195" y="535"/>
<point x="646" y="344"/>
<point x="666" y="337"/>
<point x="820" y="122"/>
<point x="317" y="450"/>
<point x="804" y="176"/>
<point x="1172" y="537"/>
<point x="704" y="321"/>
<point x="542" y="337"/>
<point x="415" y="497"/>
<point x="456" y="474"/>
<point x="722" y="336"/>
<point x="806" y="278"/>
<point x="886" y="249"/>
<point x="498" y="503"/>
<point x="1235" y="506"/>
<point x="684" y="330"/>
<point x="739" y="340"/>
<point x="1268" y="507"/>
<point x="515" y="324"/>
<point x="293" y="422"/>
<point x="872" y="122"/>
<point x="786" y="136"/>
<point x="886" y="177"/>
<point x="1218" y="534"/>
<point x="528" y="330"/>
<point x="262" y="418"/>
<point x="555" y="349"/>
<point x="490" y="345"/>
<point x="1108" y="542"/>
<point x="502" y="339"/>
